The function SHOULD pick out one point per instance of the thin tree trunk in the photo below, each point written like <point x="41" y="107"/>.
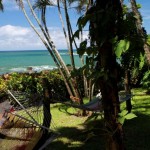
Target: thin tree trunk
<point x="50" y="42"/>
<point x="46" y="112"/>
<point x="128" y="89"/>
<point x="69" y="43"/>
<point x="69" y="35"/>
<point x="69" y="28"/>
<point x="85" y="84"/>
<point x="62" y="23"/>
<point x="46" y="45"/>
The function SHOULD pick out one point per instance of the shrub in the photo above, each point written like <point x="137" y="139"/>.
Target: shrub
<point x="32" y="83"/>
<point x="145" y="81"/>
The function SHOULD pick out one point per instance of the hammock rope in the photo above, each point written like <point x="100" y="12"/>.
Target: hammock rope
<point x="26" y="116"/>
<point x="94" y="105"/>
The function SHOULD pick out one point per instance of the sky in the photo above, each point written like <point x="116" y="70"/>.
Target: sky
<point x="16" y="33"/>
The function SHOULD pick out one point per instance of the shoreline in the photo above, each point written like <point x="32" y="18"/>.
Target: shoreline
<point x="30" y="69"/>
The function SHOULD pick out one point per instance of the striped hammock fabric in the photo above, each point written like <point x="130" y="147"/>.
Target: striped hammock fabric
<point x="21" y="123"/>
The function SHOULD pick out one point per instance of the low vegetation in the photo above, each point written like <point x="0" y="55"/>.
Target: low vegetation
<point x="32" y="83"/>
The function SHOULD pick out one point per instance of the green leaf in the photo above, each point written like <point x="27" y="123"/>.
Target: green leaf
<point x="121" y="120"/>
<point x="76" y="34"/>
<point x="122" y="46"/>
<point x="138" y="6"/>
<point x="82" y="21"/>
<point x="123" y="113"/>
<point x="136" y="17"/>
<point x="130" y="116"/>
<point x="142" y="61"/>
<point x="132" y="102"/>
<point x="81" y="50"/>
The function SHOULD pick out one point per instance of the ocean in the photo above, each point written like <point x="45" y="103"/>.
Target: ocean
<point x="19" y="61"/>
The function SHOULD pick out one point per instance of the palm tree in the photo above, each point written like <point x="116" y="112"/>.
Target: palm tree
<point x="82" y="7"/>
<point x="69" y="42"/>
<point x="48" y="44"/>
<point x="42" y="5"/>
<point x="69" y="33"/>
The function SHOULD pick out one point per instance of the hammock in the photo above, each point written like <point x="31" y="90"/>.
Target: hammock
<point x="96" y="103"/>
<point x="24" y="124"/>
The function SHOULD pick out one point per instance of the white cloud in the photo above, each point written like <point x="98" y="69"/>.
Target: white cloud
<point x="147" y="17"/>
<point x="145" y="14"/>
<point x="10" y="5"/>
<point x="21" y="38"/>
<point x="24" y="38"/>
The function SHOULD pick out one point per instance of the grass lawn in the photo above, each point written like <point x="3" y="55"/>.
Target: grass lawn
<point x="82" y="133"/>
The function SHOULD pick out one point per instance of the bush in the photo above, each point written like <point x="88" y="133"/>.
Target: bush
<point x="145" y="81"/>
<point x="32" y="83"/>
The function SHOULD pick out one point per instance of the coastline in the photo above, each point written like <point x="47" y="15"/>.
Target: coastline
<point x="19" y="61"/>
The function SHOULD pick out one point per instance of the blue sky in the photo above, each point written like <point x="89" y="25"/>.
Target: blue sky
<point x="16" y="34"/>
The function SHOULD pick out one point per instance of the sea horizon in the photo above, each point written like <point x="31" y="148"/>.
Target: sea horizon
<point x="32" y="50"/>
<point x="38" y="60"/>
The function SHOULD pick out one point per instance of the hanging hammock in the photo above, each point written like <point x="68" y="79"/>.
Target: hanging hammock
<point x="24" y="123"/>
<point x="96" y="103"/>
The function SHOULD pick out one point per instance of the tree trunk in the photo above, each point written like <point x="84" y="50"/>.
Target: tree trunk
<point x="62" y="23"/>
<point x="47" y="46"/>
<point x="69" y="35"/>
<point x="110" y="100"/>
<point x="46" y="102"/>
<point x="46" y="113"/>
<point x="69" y="28"/>
<point x="128" y="89"/>
<point x="140" y="30"/>
<point x="103" y="29"/>
<point x="56" y="53"/>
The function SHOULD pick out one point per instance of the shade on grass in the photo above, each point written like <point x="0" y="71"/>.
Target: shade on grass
<point x="76" y="134"/>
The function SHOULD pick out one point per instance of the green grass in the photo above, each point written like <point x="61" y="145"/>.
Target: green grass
<point x="78" y="133"/>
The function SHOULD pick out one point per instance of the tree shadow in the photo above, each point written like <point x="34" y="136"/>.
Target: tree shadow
<point x="89" y="136"/>
<point x="137" y="132"/>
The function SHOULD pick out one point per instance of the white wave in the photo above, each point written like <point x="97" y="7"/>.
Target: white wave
<point x="44" y="67"/>
<point x="67" y="53"/>
<point x="75" y="54"/>
<point x="33" y="68"/>
<point x="19" y="69"/>
<point x="64" y="53"/>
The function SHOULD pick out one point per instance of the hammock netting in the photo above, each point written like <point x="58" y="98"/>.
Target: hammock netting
<point x="24" y="122"/>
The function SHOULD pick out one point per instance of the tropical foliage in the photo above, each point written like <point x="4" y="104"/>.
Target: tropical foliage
<point x="115" y="33"/>
<point x="32" y="84"/>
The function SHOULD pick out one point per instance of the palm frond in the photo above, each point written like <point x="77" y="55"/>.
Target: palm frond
<point x="40" y="4"/>
<point x="80" y="5"/>
<point x="1" y="6"/>
<point x="20" y="3"/>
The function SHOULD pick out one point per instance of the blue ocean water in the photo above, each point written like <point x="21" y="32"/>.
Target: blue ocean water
<point x="19" y="61"/>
